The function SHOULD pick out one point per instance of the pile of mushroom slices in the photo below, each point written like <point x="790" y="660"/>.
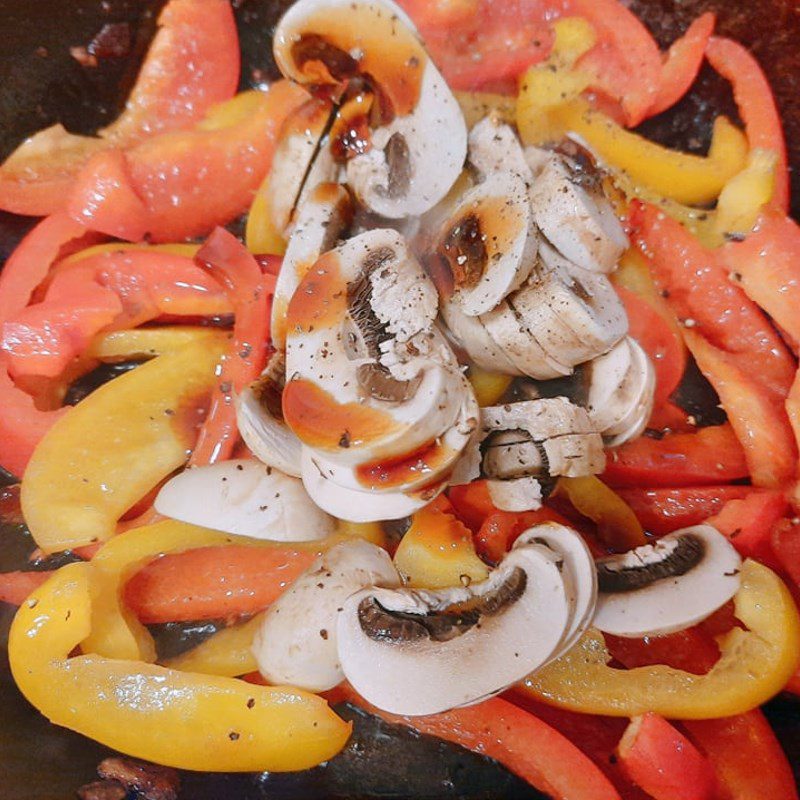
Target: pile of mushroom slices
<point x="412" y="651"/>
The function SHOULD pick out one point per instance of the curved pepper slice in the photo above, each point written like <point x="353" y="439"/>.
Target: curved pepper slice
<point x="754" y="665"/>
<point x="108" y="451"/>
<point x="175" y="718"/>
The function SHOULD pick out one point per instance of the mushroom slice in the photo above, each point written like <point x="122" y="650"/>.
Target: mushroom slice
<point x="487" y="246"/>
<point x="319" y="222"/>
<point x="549" y="436"/>
<point x="516" y="494"/>
<point x="621" y="384"/>
<point x="299" y="163"/>
<point x="362" y="505"/>
<point x="259" y="418"/>
<point x="495" y="147"/>
<point x="367" y="377"/>
<point x="667" y="586"/>
<point x="244" y="498"/>
<point x="577" y="219"/>
<point x="578" y="564"/>
<point x="418" y="138"/>
<point x="297" y="641"/>
<point x="575" y="314"/>
<point x="470" y="333"/>
<point x="422" y="652"/>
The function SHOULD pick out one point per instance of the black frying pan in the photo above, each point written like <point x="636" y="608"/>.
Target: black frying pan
<point x="40" y="83"/>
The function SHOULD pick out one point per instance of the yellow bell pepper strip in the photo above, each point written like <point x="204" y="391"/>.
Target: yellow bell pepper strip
<point x="228" y="652"/>
<point x="754" y="665"/>
<point x="115" y="446"/>
<point x="261" y="235"/>
<point x="177" y="249"/>
<point x="745" y="194"/>
<point x="489" y="387"/>
<point x="680" y="176"/>
<point x="147" y="342"/>
<point x="617" y="525"/>
<point x="437" y="550"/>
<point x="477" y="105"/>
<point x="179" y="719"/>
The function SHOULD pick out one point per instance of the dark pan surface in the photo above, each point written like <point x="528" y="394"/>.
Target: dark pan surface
<point x="40" y="83"/>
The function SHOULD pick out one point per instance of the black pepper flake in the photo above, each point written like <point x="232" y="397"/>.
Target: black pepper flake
<point x="240" y="467"/>
<point x="169" y="411"/>
<point x="233" y="736"/>
<point x="251" y="702"/>
<point x="344" y="439"/>
<point x="324" y="634"/>
<point x="225" y="387"/>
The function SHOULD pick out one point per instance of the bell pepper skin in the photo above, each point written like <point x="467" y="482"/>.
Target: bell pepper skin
<point x="489" y="387"/>
<point x="662" y="511"/>
<point x="226" y="259"/>
<point x="472" y="503"/>
<point x="767" y="266"/>
<point x="708" y="456"/>
<point x="16" y="586"/>
<point x="617" y="525"/>
<point x="192" y="63"/>
<point x="744" y="196"/>
<point x="758" y="419"/>
<point x="747" y="758"/>
<point x="437" y="551"/>
<point x="786" y="546"/>
<point x="518" y="740"/>
<point x="682" y="63"/>
<point x="756" y="103"/>
<point x="141" y="343"/>
<point x="662" y="761"/>
<point x="754" y="665"/>
<point x="112" y="448"/>
<point x="699" y="290"/>
<point x="142" y="710"/>
<point x="501" y="529"/>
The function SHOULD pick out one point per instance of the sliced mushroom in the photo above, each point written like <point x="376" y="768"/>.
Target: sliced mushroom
<point x="422" y="652"/>
<point x="320" y="220"/>
<point x="495" y="147"/>
<point x="418" y="137"/>
<point x="516" y="494"/>
<point x="578" y="565"/>
<point x="487" y="246"/>
<point x="299" y="163"/>
<point x="297" y="641"/>
<point x="259" y="418"/>
<point x="244" y="498"/>
<point x="667" y="586"/>
<point x="362" y="505"/>
<point x="575" y="315"/>
<point x="577" y="219"/>
<point x="364" y="360"/>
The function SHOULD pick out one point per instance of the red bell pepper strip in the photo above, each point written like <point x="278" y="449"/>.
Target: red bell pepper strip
<point x="500" y="530"/>
<point x="767" y="265"/>
<point x="472" y="503"/>
<point x="756" y="104"/>
<point x="520" y="741"/>
<point x="227" y="260"/>
<point x="786" y="546"/>
<point x="662" y="511"/>
<point x="759" y="421"/>
<point x="191" y="181"/>
<point x="749" y="523"/>
<point x="103" y="199"/>
<point x="709" y="456"/>
<point x="662" y="761"/>
<point x="16" y="586"/>
<point x="625" y="62"/>
<point x="692" y="650"/>
<point x="746" y="756"/>
<point x="214" y="582"/>
<point x="193" y="63"/>
<point x="660" y="341"/>
<point x="683" y="61"/>
<point x="699" y="291"/>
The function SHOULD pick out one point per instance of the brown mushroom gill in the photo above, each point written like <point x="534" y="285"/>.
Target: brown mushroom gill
<point x="398" y="160"/>
<point x="382" y="624"/>
<point x="686" y="555"/>
<point x="463" y="250"/>
<point x="268" y="389"/>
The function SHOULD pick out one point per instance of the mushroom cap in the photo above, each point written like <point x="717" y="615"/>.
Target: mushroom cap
<point x="403" y="652"/>
<point x="419" y="146"/>
<point x="488" y="244"/>
<point x="669" y="604"/>
<point x="245" y="498"/>
<point x="579" y="223"/>
<point x="362" y="505"/>
<point x="260" y="420"/>
<point x="297" y="641"/>
<point x="495" y="147"/>
<point x="319" y="221"/>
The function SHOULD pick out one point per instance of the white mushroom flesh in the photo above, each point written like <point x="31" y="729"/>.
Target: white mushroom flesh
<point x="515" y="494"/>
<point x="245" y="498"/>
<point x="670" y="585"/>
<point x="297" y="641"/>
<point x="495" y="147"/>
